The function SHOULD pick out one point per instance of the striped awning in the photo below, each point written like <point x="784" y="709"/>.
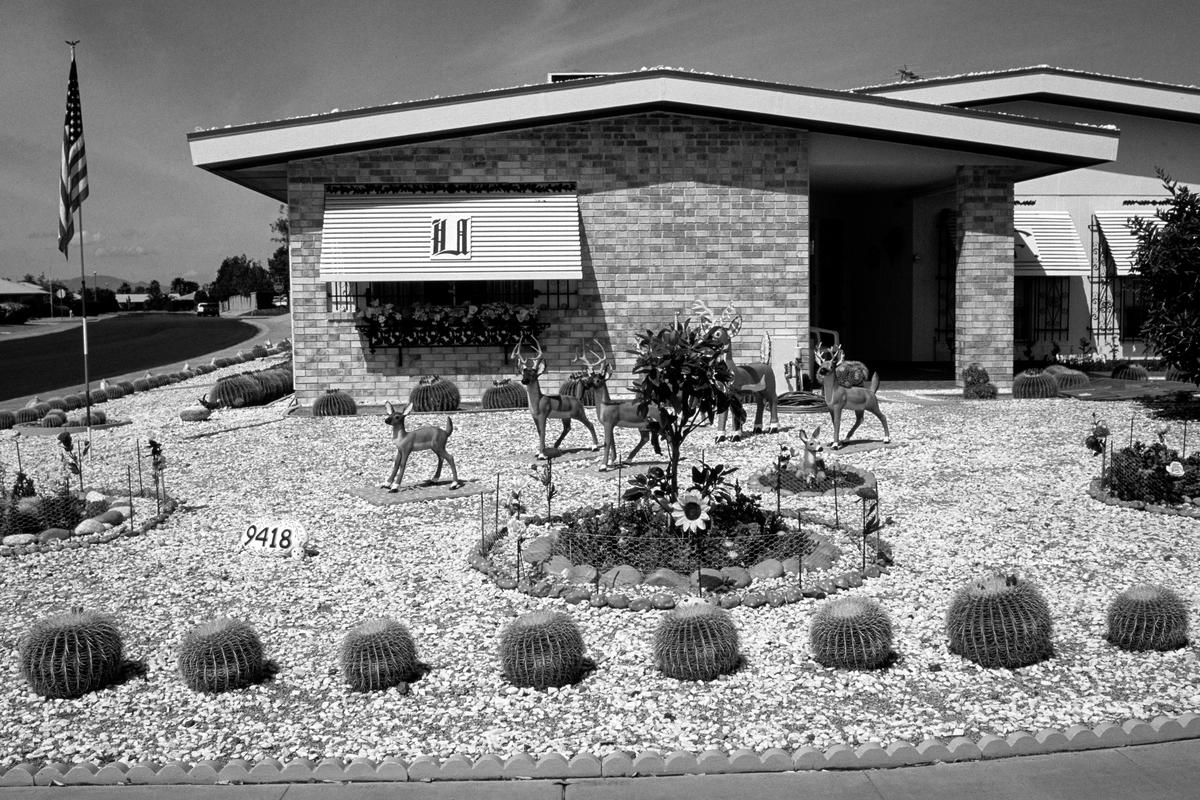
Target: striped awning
<point x="428" y="236"/>
<point x="1114" y="227"/>
<point x="1047" y="244"/>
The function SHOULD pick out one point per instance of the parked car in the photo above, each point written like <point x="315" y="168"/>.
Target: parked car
<point x="208" y="309"/>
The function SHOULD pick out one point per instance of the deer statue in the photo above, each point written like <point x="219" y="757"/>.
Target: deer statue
<point x="755" y="379"/>
<point x="613" y="414"/>
<point x="549" y="406"/>
<point x="840" y="397"/>
<point x="426" y="437"/>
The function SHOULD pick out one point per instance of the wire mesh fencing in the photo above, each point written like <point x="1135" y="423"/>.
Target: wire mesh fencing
<point x="1149" y="458"/>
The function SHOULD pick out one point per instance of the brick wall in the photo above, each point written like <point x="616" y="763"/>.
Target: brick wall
<point x="672" y="207"/>
<point x="983" y="281"/>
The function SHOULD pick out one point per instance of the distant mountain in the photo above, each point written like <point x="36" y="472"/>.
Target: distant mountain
<point x="103" y="281"/>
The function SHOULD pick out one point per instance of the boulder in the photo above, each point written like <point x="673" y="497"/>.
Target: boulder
<point x="112" y="517"/>
<point x="95" y="497"/>
<point x="666" y="578"/>
<point x="560" y="566"/>
<point x="662" y="601"/>
<point x="538" y="550"/>
<point x="639" y="604"/>
<point x="791" y="565"/>
<point x="577" y="595"/>
<point x="730" y="601"/>
<point x="754" y="600"/>
<point x="737" y="577"/>
<point x="18" y="539"/>
<point x="617" y="600"/>
<point x="53" y="535"/>
<point x="766" y="569"/>
<point x="709" y="580"/>
<point x="89" y="526"/>
<point x="582" y="573"/>
<point x="621" y="575"/>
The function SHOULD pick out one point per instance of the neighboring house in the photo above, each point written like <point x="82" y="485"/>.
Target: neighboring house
<point x="1074" y="245"/>
<point x="28" y="294"/>
<point x="619" y="199"/>
<point x="135" y="301"/>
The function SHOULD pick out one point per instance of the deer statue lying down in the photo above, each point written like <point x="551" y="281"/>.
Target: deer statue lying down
<point x="613" y="414"/>
<point x="426" y="437"/>
<point x="757" y="379"/>
<point x="840" y="398"/>
<point x="549" y="406"/>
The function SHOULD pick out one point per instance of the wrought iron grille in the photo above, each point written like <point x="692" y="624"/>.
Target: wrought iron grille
<point x="1103" y="322"/>
<point x="1041" y="309"/>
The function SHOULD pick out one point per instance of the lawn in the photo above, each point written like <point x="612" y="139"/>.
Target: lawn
<point x="976" y="488"/>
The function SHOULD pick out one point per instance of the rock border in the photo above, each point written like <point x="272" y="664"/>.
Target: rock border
<point x="621" y="763"/>
<point x="86" y="540"/>
<point x="1097" y="492"/>
<point x="34" y="429"/>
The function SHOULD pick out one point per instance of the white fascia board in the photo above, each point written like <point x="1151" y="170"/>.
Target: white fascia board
<point x="284" y="141"/>
<point x="1078" y="87"/>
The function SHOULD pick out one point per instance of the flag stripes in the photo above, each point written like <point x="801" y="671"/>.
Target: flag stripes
<point x="73" y="183"/>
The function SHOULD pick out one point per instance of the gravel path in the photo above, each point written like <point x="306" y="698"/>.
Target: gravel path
<point x="978" y="488"/>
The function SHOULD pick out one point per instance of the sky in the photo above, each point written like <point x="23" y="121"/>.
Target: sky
<point x="150" y="72"/>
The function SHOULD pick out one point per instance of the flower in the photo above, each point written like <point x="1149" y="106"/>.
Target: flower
<point x="1161" y="431"/>
<point x="1175" y="469"/>
<point x="690" y="512"/>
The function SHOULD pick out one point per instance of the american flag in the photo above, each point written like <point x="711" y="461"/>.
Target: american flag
<point x="73" y="186"/>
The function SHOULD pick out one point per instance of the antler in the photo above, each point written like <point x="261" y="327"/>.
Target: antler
<point x="516" y="352"/>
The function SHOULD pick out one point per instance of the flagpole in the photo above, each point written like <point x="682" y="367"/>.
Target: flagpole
<point x="87" y="383"/>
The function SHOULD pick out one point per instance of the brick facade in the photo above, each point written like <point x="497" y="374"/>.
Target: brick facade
<point x="672" y="208"/>
<point x="983" y="281"/>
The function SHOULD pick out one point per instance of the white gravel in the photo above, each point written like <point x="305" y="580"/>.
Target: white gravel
<point x="978" y="488"/>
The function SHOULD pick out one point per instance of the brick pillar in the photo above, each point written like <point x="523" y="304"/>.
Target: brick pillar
<point x="983" y="280"/>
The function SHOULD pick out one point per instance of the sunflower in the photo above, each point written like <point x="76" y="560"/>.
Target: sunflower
<point x="690" y="512"/>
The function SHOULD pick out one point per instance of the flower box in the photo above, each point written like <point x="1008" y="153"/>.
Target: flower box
<point x="424" y="325"/>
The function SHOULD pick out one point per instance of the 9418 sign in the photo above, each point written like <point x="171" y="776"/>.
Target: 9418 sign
<point x="275" y="537"/>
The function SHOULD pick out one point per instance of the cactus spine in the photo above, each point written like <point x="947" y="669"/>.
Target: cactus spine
<point x="1147" y="617"/>
<point x="71" y="654"/>
<point x="334" y="403"/>
<point x="999" y="621"/>
<point x="378" y="654"/>
<point x="1034" y="384"/>
<point x="851" y="632"/>
<point x="432" y="393"/>
<point x="541" y="649"/>
<point x="504" y="393"/>
<point x="696" y="642"/>
<point x="220" y="655"/>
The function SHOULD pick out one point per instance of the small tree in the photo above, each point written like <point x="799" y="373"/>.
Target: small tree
<point x="1168" y="260"/>
<point x="681" y="370"/>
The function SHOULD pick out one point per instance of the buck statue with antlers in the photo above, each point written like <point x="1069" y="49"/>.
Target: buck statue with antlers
<point x="757" y="379"/>
<point x="426" y="437"/>
<point x="839" y="397"/>
<point x="613" y="414"/>
<point x="549" y="406"/>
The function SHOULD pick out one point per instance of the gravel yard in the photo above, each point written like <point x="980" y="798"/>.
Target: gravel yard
<point x="983" y="487"/>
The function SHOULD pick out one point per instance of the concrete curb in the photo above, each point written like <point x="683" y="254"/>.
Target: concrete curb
<point x="625" y="764"/>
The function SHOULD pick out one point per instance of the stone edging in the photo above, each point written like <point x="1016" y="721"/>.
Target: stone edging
<point x="1097" y="492"/>
<point x="34" y="429"/>
<point x="78" y="542"/>
<point x="646" y="763"/>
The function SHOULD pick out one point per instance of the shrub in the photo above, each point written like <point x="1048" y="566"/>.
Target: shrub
<point x="541" y="649"/>
<point x="1034" y="384"/>
<point x="378" y="654"/>
<point x="68" y="655"/>
<point x="504" y="393"/>
<point x="999" y="621"/>
<point x="851" y="632"/>
<point x="974" y="374"/>
<point x="7" y="419"/>
<point x="980" y="391"/>
<point x="1140" y="473"/>
<point x="1147" y="617"/>
<point x="334" y="403"/>
<point x="57" y="403"/>
<point x="696" y="642"/>
<point x="223" y="362"/>
<point x="432" y="393"/>
<point x="1130" y="372"/>
<point x="221" y="655"/>
<point x="13" y="313"/>
<point x="1067" y="378"/>
<point x="24" y="415"/>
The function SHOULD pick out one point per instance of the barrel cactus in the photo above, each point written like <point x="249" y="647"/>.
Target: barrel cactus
<point x="433" y="393"/>
<point x="7" y="419"/>
<point x="1034" y="384"/>
<point x="236" y="391"/>
<point x="334" y="403"/>
<point x="68" y="655"/>
<point x="1069" y="378"/>
<point x="42" y="409"/>
<point x="503" y="393"/>
<point x="57" y="403"/>
<point x="127" y="387"/>
<point x="1174" y="373"/>
<point x="220" y="655"/>
<point x="378" y="654"/>
<point x="55" y="419"/>
<point x="115" y="391"/>
<point x="697" y="642"/>
<point x="98" y="396"/>
<point x="541" y="649"/>
<point x="851" y="632"/>
<point x="576" y="386"/>
<point x="1130" y="372"/>
<point x="142" y="385"/>
<point x="1147" y="617"/>
<point x="26" y="415"/>
<point x="259" y="351"/>
<point x="1000" y="621"/>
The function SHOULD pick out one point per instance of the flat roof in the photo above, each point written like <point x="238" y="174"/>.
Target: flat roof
<point x="256" y="155"/>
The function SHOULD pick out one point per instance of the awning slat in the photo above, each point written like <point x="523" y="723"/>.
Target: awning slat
<point x="1121" y="241"/>
<point x="381" y="237"/>
<point x="1047" y="244"/>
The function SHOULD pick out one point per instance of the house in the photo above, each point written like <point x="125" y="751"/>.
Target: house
<point x="616" y="200"/>
<point x="29" y="294"/>
<point x="135" y="301"/>
<point x="1074" y="246"/>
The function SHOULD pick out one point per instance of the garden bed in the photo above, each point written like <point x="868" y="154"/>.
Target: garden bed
<point x="978" y="489"/>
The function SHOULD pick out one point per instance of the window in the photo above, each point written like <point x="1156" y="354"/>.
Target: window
<point x="1040" y="309"/>
<point x="555" y="295"/>
<point x="451" y="237"/>
<point x="1131" y="311"/>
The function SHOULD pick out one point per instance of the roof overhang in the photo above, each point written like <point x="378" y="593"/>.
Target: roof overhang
<point x="1053" y="85"/>
<point x="256" y="155"/>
